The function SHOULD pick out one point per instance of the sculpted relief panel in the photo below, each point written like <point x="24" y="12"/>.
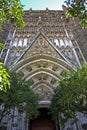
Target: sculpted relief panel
<point x="44" y="93"/>
<point x="41" y="46"/>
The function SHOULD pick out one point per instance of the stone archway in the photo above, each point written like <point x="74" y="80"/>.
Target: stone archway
<point x="44" y="71"/>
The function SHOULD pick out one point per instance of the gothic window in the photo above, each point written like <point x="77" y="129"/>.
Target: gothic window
<point x="56" y="42"/>
<point x="20" y="42"/>
<point x="70" y="43"/>
<point x="61" y="42"/>
<point x="15" y="41"/>
<point x="66" y="42"/>
<point x="25" y="42"/>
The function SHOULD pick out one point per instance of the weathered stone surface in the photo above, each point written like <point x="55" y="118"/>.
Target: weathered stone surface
<point x="80" y="35"/>
<point x="4" y="33"/>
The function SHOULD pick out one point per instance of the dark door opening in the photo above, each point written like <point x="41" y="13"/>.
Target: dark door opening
<point x="44" y="121"/>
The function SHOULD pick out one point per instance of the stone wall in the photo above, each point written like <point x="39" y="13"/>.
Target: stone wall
<point x="80" y="36"/>
<point x="4" y="33"/>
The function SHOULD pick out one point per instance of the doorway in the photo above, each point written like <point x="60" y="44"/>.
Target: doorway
<point x="44" y="121"/>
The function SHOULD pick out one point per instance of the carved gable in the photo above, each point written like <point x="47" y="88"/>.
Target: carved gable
<point x="42" y="46"/>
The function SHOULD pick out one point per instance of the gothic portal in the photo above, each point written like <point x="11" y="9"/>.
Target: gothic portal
<point x="42" y="52"/>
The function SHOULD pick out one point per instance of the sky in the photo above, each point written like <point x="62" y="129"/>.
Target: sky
<point x="42" y="4"/>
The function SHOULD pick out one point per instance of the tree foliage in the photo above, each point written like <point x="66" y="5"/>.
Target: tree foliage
<point x="1" y="46"/>
<point x="19" y="96"/>
<point x="11" y="11"/>
<point x="70" y="96"/>
<point x="78" y="8"/>
<point x="4" y="78"/>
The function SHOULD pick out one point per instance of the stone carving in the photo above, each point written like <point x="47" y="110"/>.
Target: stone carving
<point x="41" y="46"/>
<point x="44" y="93"/>
<point x="57" y="36"/>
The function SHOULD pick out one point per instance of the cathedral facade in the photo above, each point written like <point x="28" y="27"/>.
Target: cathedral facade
<point x="48" y="46"/>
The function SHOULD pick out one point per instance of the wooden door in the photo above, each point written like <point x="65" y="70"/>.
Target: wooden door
<point x="42" y="125"/>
